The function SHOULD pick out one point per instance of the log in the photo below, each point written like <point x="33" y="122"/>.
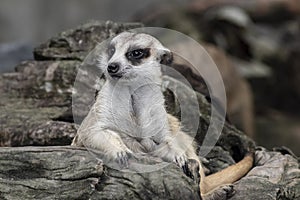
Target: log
<point x="74" y="173"/>
<point x="64" y="172"/>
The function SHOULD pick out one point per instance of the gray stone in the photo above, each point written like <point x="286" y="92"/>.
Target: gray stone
<point x="75" y="44"/>
<point x="74" y="173"/>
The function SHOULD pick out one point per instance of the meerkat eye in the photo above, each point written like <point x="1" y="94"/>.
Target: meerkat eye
<point x="136" y="54"/>
<point x="111" y="50"/>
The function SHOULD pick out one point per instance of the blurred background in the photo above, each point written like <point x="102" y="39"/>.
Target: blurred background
<point x="255" y="44"/>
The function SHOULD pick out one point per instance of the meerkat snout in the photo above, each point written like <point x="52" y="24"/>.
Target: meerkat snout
<point x="113" y="69"/>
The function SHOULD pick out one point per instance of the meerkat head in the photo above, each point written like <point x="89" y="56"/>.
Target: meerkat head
<point x="135" y="55"/>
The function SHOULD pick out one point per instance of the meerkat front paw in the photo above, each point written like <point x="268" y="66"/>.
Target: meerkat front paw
<point x="121" y="157"/>
<point x="193" y="170"/>
<point x="180" y="160"/>
<point x="173" y="154"/>
<point x="189" y="167"/>
<point x="183" y="163"/>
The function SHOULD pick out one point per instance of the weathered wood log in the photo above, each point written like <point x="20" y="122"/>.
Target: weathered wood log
<point x="35" y="99"/>
<point x="75" y="44"/>
<point x="74" y="173"/>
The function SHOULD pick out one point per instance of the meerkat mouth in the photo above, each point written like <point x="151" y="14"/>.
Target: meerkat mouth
<point x="116" y="76"/>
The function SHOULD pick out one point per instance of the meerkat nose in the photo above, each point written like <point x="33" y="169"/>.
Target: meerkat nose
<point x="113" y="68"/>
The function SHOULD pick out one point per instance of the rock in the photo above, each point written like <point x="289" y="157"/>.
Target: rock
<point x="39" y="93"/>
<point x="45" y="81"/>
<point x="75" y="44"/>
<point x="275" y="176"/>
<point x="73" y="173"/>
<point x="43" y="173"/>
<point x="23" y="123"/>
<point x="26" y="104"/>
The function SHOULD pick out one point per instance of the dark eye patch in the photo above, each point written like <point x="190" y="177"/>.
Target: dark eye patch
<point x="110" y="51"/>
<point x="136" y="55"/>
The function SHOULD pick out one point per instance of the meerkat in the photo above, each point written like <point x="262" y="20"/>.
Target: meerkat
<point x="129" y="114"/>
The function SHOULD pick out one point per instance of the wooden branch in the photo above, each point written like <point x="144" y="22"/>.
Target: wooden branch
<point x="64" y="172"/>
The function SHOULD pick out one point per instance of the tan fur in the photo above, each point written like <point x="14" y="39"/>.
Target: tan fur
<point x="229" y="174"/>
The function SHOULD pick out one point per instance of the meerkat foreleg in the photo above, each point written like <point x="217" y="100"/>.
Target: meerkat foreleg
<point x="110" y="143"/>
<point x="92" y="134"/>
<point x="171" y="151"/>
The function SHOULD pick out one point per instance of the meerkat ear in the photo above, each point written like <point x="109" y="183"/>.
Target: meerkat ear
<point x="166" y="57"/>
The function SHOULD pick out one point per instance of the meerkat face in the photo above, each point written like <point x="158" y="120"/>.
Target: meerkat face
<point x="131" y="55"/>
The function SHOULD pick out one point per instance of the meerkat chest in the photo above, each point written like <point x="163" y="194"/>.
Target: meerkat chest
<point x="136" y="113"/>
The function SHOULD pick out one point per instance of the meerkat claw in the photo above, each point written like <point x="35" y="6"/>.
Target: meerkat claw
<point x="122" y="158"/>
<point x="193" y="168"/>
<point x="180" y="161"/>
<point x="186" y="170"/>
